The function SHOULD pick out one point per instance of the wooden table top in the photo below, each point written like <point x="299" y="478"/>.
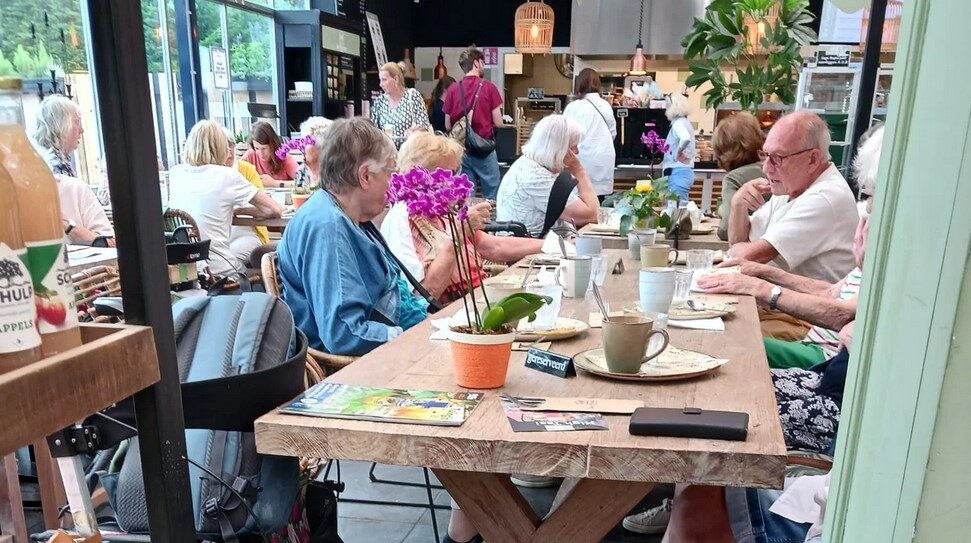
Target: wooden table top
<point x="486" y="443"/>
<point x="80" y="257"/>
<point x="280" y="223"/>
<point x="696" y="241"/>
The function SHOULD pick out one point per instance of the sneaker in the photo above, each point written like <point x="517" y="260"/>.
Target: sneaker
<point x="533" y="481"/>
<point x="652" y="521"/>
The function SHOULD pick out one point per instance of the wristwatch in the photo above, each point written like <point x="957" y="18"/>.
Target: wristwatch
<point x="774" y="299"/>
<point x="70" y="226"/>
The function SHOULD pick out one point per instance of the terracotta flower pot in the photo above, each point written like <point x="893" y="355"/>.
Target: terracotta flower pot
<point x="298" y="200"/>
<point x="481" y="360"/>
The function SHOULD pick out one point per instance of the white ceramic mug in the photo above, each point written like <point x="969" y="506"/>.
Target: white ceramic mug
<point x="573" y="274"/>
<point x="656" y="289"/>
<point x="589" y="245"/>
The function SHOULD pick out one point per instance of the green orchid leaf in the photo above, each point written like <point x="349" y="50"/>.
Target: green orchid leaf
<point x="625" y="223"/>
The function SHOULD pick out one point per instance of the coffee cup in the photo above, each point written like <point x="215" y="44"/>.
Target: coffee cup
<point x="656" y="289"/>
<point x="589" y="245"/>
<point x="573" y="274"/>
<point x="658" y="256"/>
<point x="627" y="340"/>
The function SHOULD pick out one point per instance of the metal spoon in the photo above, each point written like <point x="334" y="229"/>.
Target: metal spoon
<point x="695" y="305"/>
<point x="600" y="301"/>
<point x="532" y="263"/>
<point x="562" y="246"/>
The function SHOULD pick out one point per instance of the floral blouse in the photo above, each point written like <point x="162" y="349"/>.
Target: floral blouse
<point x="410" y="112"/>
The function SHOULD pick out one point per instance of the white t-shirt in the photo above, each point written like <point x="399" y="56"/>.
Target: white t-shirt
<point x="597" y="153"/>
<point x="79" y="204"/>
<point x="525" y="193"/>
<point x="396" y="231"/>
<point x="813" y="233"/>
<point x="210" y="193"/>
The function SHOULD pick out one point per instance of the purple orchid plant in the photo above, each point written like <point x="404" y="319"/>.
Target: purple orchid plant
<point x="296" y="144"/>
<point x="655" y="145"/>
<point x="442" y="195"/>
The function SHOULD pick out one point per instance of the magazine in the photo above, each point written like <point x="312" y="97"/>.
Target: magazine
<point x="334" y="400"/>
<point x="550" y="421"/>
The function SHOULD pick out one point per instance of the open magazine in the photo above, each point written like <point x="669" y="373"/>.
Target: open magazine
<point x="334" y="400"/>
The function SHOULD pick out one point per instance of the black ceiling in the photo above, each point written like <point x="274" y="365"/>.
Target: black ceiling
<point x="458" y="23"/>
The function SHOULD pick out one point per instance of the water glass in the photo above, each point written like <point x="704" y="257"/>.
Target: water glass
<point x="598" y="271"/>
<point x="700" y="259"/>
<point x="682" y="287"/>
<point x="636" y="238"/>
<point x="603" y="215"/>
<point x="547" y="315"/>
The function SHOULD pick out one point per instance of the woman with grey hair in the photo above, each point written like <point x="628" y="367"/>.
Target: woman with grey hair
<point x="58" y="133"/>
<point x="341" y="282"/>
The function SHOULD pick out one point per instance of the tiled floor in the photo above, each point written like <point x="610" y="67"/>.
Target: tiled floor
<point x="367" y="523"/>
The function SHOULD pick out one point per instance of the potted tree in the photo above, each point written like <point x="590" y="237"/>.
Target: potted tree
<point x="760" y="38"/>
<point x="481" y="346"/>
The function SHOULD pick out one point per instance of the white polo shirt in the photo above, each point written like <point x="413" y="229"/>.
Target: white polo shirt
<point x="813" y="233"/>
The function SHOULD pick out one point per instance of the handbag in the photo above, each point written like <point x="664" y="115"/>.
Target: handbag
<point x="463" y="133"/>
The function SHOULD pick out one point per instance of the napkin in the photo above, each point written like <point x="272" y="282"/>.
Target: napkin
<point x="552" y="247"/>
<point x="716" y="324"/>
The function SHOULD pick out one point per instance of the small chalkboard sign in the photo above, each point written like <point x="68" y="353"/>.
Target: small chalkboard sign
<point x="551" y="363"/>
<point x="622" y="112"/>
<point x="832" y="60"/>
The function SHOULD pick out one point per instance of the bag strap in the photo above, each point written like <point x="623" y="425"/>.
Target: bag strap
<point x="562" y="187"/>
<point x="433" y="304"/>
<point x="597" y="109"/>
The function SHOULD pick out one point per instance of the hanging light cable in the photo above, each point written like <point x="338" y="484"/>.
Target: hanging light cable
<point x="638" y="63"/>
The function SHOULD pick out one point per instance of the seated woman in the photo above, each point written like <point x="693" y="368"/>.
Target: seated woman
<point x="536" y="190"/>
<point x="263" y="143"/>
<point x="425" y="247"/>
<point x="736" y="142"/>
<point x="344" y="288"/>
<point x="209" y="191"/>
<point x="307" y="174"/>
<point x="244" y="239"/>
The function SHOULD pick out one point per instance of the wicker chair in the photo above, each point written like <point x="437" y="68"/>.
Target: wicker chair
<point x="175" y="218"/>
<point x="91" y="284"/>
<point x="271" y="282"/>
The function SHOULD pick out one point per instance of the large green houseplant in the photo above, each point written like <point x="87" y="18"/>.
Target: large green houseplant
<point x="724" y="36"/>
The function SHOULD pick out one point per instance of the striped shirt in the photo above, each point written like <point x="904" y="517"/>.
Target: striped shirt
<point x="828" y="339"/>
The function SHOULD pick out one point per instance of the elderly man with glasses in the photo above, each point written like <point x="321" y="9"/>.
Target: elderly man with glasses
<point x="807" y="227"/>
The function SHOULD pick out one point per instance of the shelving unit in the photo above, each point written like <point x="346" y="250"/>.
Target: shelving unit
<point x="528" y="113"/>
<point x="833" y="93"/>
<point x="881" y="95"/>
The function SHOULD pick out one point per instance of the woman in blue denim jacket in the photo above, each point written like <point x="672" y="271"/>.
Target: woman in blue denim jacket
<point x="344" y="289"/>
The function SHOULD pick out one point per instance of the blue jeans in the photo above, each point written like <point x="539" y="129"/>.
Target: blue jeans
<point x="484" y="172"/>
<point x="752" y="522"/>
<point x="680" y="181"/>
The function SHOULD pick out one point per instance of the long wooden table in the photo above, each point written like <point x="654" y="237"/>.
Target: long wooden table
<point x="702" y="241"/>
<point x="274" y="225"/>
<point x="616" y="469"/>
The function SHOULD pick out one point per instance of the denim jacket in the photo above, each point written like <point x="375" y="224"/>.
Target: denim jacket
<point x="343" y="289"/>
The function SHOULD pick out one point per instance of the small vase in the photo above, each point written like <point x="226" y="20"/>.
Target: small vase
<point x="481" y="361"/>
<point x="299" y="200"/>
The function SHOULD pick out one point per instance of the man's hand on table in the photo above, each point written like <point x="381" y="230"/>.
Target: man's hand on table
<point x="746" y="267"/>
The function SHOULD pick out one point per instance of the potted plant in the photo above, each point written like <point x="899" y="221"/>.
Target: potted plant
<point x="300" y="195"/>
<point x="759" y="38"/>
<point x="482" y="345"/>
<point x="642" y="207"/>
<point x="241" y="145"/>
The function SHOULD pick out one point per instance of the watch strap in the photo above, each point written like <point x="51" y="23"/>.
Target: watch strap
<point x="774" y="300"/>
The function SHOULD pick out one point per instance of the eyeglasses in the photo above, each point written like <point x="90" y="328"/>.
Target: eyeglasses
<point x="776" y="160"/>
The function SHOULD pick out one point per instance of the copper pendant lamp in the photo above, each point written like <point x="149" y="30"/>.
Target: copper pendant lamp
<point x="638" y="63"/>
<point x="440" y="69"/>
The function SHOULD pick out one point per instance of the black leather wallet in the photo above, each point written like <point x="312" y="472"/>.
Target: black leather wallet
<point x="689" y="422"/>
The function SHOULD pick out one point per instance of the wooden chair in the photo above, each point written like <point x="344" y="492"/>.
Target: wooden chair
<point x="329" y="363"/>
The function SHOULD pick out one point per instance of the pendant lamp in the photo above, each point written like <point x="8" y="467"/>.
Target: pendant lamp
<point x="638" y="63"/>
<point x="534" y="28"/>
<point x="409" y="67"/>
<point x="440" y="69"/>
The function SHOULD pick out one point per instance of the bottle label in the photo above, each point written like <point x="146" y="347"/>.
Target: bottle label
<point x="53" y="288"/>
<point x="17" y="313"/>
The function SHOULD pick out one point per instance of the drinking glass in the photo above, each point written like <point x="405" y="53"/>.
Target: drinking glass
<point x="598" y="271"/>
<point x="700" y="259"/>
<point x="682" y="287"/>
<point x="603" y="215"/>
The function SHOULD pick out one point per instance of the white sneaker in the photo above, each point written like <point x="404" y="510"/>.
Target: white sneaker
<point x="652" y="521"/>
<point x="533" y="481"/>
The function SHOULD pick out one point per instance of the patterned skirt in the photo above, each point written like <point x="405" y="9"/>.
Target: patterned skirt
<point x="809" y="419"/>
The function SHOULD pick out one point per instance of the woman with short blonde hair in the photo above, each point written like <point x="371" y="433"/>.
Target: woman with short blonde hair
<point x="425" y="246"/>
<point x="535" y="189"/>
<point x="399" y="111"/>
<point x="679" y="160"/>
<point x="212" y="193"/>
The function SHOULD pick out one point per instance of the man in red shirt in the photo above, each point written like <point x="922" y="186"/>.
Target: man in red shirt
<point x="483" y="98"/>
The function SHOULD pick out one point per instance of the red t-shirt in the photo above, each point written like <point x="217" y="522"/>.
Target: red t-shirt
<point x="489" y="99"/>
<point x="287" y="173"/>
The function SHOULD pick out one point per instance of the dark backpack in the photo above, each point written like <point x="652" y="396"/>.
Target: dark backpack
<point x="239" y="357"/>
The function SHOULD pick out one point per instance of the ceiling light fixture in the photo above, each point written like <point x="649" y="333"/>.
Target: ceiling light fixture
<point x="533" y="25"/>
<point x="638" y="63"/>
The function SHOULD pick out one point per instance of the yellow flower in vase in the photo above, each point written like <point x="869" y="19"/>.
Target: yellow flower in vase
<point x="643" y="186"/>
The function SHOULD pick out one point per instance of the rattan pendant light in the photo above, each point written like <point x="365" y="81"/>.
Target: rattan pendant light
<point x="534" y="28"/>
<point x="638" y="63"/>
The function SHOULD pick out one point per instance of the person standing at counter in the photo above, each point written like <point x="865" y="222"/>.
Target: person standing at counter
<point x="736" y="142"/>
<point x="679" y="160"/>
<point x="485" y="103"/>
<point x="400" y="110"/>
<point x="436" y="112"/>
<point x="595" y="116"/>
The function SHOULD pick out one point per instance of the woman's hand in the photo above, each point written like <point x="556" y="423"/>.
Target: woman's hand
<point x="268" y="179"/>
<point x="571" y="162"/>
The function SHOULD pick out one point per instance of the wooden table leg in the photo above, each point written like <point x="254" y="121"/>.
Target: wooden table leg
<point x="499" y="511"/>
<point x="12" y="520"/>
<point x="52" y="495"/>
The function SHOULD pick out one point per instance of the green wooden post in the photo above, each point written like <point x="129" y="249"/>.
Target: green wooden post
<point x="916" y="261"/>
